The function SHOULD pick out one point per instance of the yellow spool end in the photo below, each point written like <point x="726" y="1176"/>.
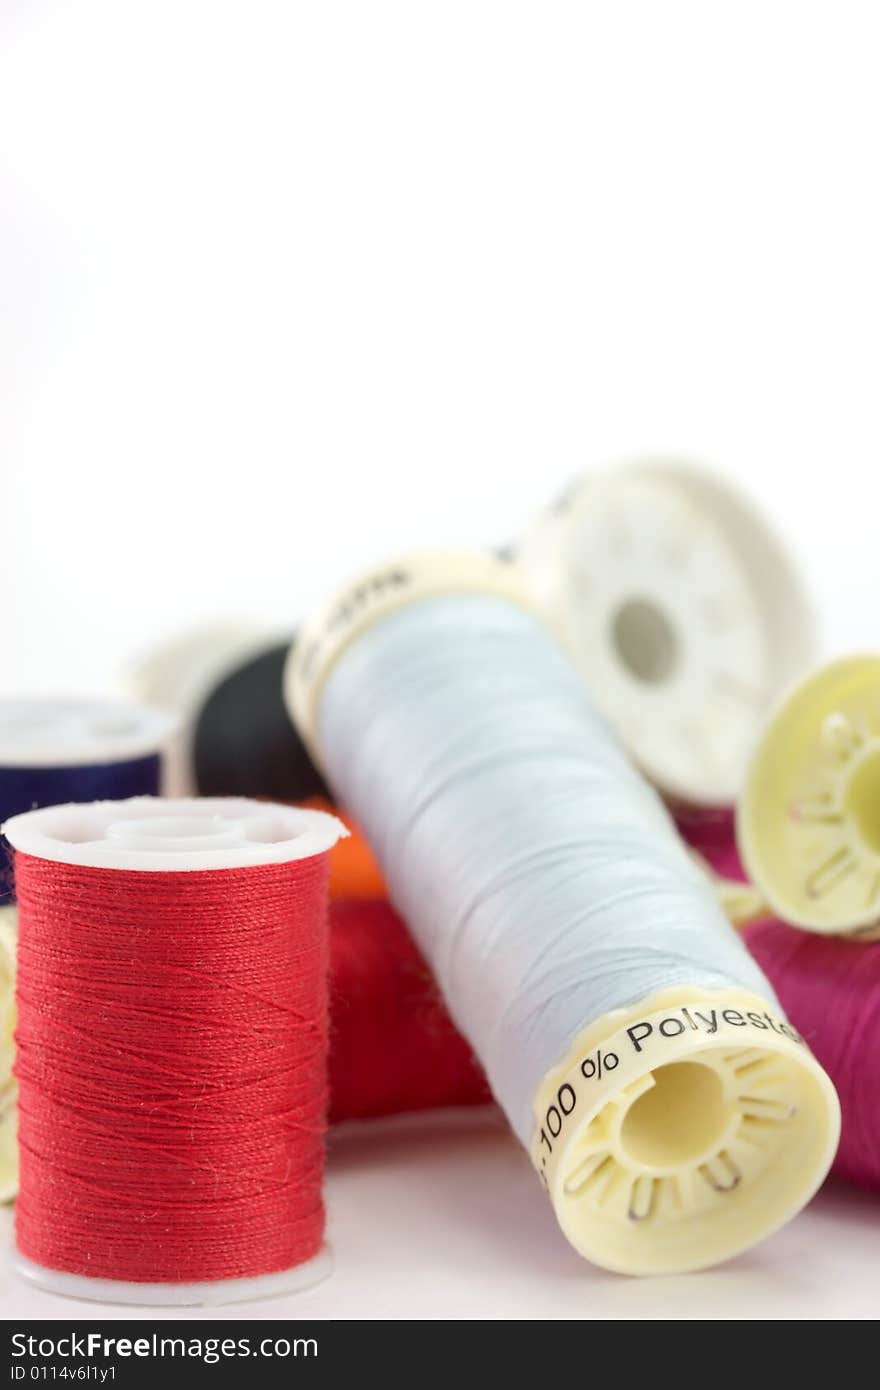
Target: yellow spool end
<point x="808" y="825"/>
<point x="679" y="1132"/>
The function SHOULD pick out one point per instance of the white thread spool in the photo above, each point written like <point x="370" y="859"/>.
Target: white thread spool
<point x="683" y="610"/>
<point x="178" y="675"/>
<point x="156" y="836"/>
<point x="698" y="1138"/>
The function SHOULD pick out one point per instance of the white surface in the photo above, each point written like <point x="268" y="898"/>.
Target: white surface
<point x="447" y="1220"/>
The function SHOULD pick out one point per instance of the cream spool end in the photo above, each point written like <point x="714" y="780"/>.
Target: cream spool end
<point x="683" y="611"/>
<point x="154" y="835"/>
<point x="683" y="1131"/>
<point x="808" y="824"/>
<point x="673" y="1133"/>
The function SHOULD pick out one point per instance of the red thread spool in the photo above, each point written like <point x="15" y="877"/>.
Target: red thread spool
<point x="393" y="1046"/>
<point x="172" y="1041"/>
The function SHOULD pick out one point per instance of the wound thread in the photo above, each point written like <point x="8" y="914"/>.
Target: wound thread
<point x="516" y="832"/>
<point x="393" y="1046"/>
<point x="830" y="990"/>
<point x="184" y="1094"/>
<point x="244" y="743"/>
<point x="8" y="1113"/>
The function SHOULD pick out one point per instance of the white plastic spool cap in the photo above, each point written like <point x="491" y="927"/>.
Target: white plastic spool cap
<point x="683" y="611"/>
<point x="79" y="732"/>
<point x="156" y="835"/>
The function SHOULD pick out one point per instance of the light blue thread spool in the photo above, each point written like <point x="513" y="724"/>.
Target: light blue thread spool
<point x="546" y="884"/>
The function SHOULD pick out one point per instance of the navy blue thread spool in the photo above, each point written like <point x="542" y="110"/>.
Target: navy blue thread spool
<point x="56" y="751"/>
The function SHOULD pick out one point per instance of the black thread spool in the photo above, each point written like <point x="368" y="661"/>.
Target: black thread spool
<point x="244" y="741"/>
<point x="226" y="683"/>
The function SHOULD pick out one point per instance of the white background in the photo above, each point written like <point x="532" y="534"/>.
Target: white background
<point x="286" y="287"/>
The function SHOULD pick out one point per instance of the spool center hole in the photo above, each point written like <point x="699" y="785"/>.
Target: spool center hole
<point x="644" y="640"/>
<point x="863" y="799"/>
<point x="681" y="1119"/>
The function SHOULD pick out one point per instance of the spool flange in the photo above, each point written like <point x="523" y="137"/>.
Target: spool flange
<point x="808" y="824"/>
<point x="79" y="732"/>
<point x="677" y="1133"/>
<point x="683" y="611"/>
